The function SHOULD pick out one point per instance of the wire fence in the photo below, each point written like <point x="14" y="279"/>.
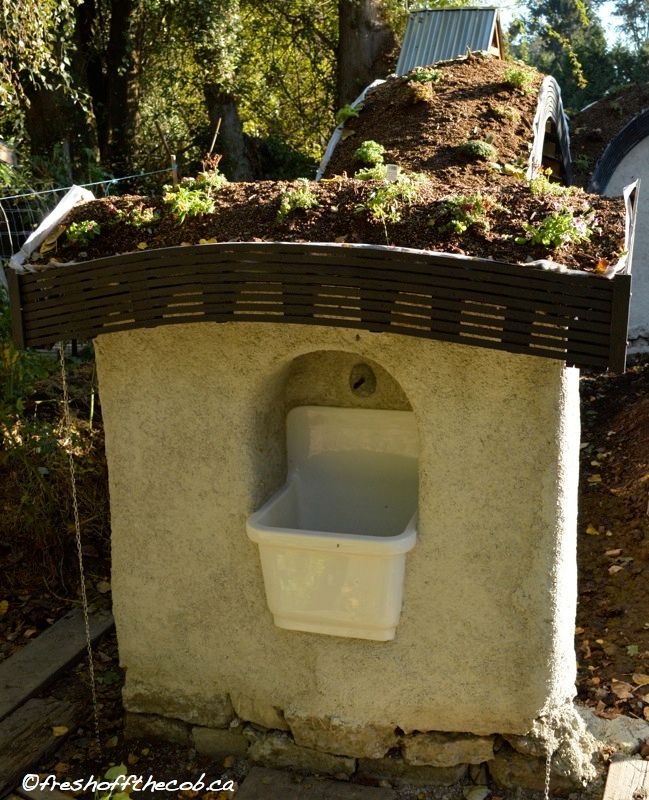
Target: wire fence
<point x="21" y="214"/>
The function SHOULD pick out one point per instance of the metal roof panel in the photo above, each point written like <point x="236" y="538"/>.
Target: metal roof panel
<point x="442" y="34"/>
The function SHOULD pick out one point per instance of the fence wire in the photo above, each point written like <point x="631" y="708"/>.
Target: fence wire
<point x="21" y="214"/>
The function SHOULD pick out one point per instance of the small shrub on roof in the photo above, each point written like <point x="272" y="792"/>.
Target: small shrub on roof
<point x="542" y="186"/>
<point x="479" y="149"/>
<point x="426" y="75"/>
<point x="376" y="173"/>
<point x="386" y="203"/>
<point x="138" y="217"/>
<point x="186" y="201"/>
<point x="347" y="112"/>
<point x="370" y="153"/>
<point x="521" y="79"/>
<point x="466" y="211"/>
<point x="505" y="114"/>
<point x="300" y="197"/>
<point x="558" y="228"/>
<point x="83" y="232"/>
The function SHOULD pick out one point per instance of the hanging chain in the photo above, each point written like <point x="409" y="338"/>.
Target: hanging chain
<point x="77" y="527"/>
<point x="548" y="770"/>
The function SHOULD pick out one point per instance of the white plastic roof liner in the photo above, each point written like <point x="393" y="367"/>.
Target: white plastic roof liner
<point x="446" y="33"/>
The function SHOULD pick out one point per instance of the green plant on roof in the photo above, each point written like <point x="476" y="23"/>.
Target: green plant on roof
<point x="210" y="181"/>
<point x="426" y="75"/>
<point x="300" y="197"/>
<point x="386" y="202"/>
<point x="541" y="185"/>
<point x="347" y="112"/>
<point x="505" y="114"/>
<point x="479" y="149"/>
<point x="83" y="232"/>
<point x="519" y="78"/>
<point x="557" y="229"/>
<point x="376" y="173"/>
<point x="583" y="162"/>
<point x="466" y="211"/>
<point x="139" y="217"/>
<point x="370" y="153"/>
<point x="185" y="201"/>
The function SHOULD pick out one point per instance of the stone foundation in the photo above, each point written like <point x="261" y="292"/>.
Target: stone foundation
<point x="576" y="738"/>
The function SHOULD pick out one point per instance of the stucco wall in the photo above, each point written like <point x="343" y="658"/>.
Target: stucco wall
<point x="633" y="166"/>
<point x="194" y="418"/>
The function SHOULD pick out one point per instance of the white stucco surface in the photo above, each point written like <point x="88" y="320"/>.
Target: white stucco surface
<point x="194" y="420"/>
<point x="633" y="166"/>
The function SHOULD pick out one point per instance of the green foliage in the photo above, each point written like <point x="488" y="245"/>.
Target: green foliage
<point x="542" y="186"/>
<point x="139" y="217"/>
<point x="19" y="369"/>
<point x="556" y="229"/>
<point x="210" y="181"/>
<point x="386" y="202"/>
<point x="466" y="211"/>
<point x="292" y="199"/>
<point x="426" y="75"/>
<point x="376" y="173"/>
<point x="505" y="114"/>
<point x="519" y="78"/>
<point x="479" y="149"/>
<point x="370" y="153"/>
<point x="583" y="162"/>
<point x="347" y="112"/>
<point x="83" y="232"/>
<point x="187" y="201"/>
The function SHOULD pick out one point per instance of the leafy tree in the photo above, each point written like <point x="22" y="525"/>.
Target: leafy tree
<point x="564" y="38"/>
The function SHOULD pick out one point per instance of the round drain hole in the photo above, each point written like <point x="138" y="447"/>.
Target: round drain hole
<point x="362" y="380"/>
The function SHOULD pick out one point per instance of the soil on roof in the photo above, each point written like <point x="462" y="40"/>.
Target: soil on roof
<point x="422" y="126"/>
<point x="596" y="125"/>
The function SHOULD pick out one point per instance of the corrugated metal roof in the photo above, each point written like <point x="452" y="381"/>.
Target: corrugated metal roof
<point x="442" y="34"/>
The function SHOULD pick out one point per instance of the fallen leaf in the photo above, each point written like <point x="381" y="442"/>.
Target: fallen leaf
<point x="640" y="679"/>
<point x="112" y="742"/>
<point x="615" y="568"/>
<point x="591" y="530"/>
<point x="228" y="761"/>
<point x="145" y="751"/>
<point x="132" y="759"/>
<point x="61" y="767"/>
<point x="601" y="266"/>
<point x="103" y="587"/>
<point x="613" y="553"/>
<point x="142" y="245"/>
<point x="579" y="631"/>
<point x="347" y="133"/>
<point x="4" y="607"/>
<point x="596" y="478"/>
<point x="29" y="633"/>
<point x="645" y="713"/>
<point x="622" y="690"/>
<point x="59" y="730"/>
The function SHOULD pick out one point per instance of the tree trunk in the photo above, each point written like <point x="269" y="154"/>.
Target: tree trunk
<point x="222" y="105"/>
<point x="364" y="45"/>
<point x="121" y="69"/>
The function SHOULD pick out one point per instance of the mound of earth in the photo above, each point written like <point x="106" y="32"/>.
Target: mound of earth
<point x="342" y="213"/>
<point x="597" y="124"/>
<point x="423" y="125"/>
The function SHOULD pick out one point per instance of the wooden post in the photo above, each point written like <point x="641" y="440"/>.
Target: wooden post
<point x="13" y="281"/>
<point x="172" y="157"/>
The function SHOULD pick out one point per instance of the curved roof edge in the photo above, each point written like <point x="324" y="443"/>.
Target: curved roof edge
<point x="631" y="135"/>
<point x="550" y="107"/>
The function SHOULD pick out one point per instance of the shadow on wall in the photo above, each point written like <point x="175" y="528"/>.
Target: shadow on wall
<point x="319" y="378"/>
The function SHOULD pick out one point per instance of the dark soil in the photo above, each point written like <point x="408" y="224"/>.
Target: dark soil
<point x="248" y="212"/>
<point x="422" y="126"/>
<point x="422" y="129"/>
<point x="596" y="125"/>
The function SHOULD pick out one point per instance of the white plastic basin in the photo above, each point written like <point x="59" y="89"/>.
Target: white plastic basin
<point x="333" y="540"/>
